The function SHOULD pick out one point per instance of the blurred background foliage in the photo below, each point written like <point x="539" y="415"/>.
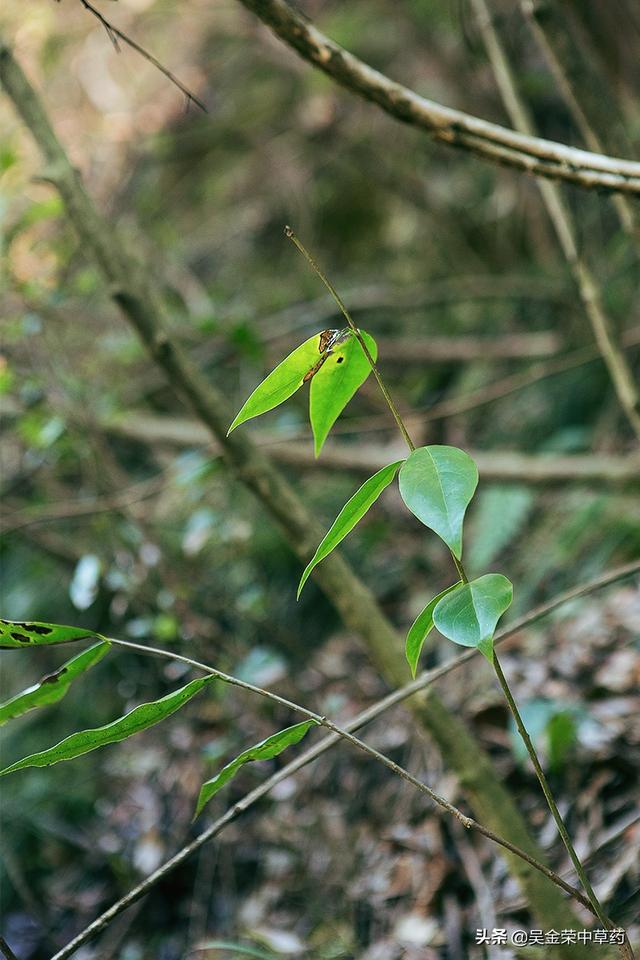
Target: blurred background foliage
<point x="117" y="515"/>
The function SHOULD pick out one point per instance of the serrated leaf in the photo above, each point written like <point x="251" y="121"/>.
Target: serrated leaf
<point x="437" y="484"/>
<point x="338" y="379"/>
<point x="420" y="630"/>
<point x="53" y="687"/>
<point x="16" y="634"/>
<point x="140" y="718"/>
<point x="265" y="750"/>
<point x="282" y="382"/>
<point x="469" y="614"/>
<point x="353" y="511"/>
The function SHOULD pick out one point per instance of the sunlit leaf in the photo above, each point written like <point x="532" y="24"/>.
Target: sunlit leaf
<point x="140" y="718"/>
<point x="53" y="687"/>
<point x="469" y="614"/>
<point x="16" y="634"/>
<point x="282" y="382"/>
<point x="353" y="511"/>
<point x="341" y="375"/>
<point x="420" y="630"/>
<point x="437" y="484"/>
<point x="265" y="750"/>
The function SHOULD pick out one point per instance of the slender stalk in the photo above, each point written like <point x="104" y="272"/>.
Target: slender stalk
<point x="562" y="830"/>
<point x="345" y="313"/>
<point x="345" y="734"/>
<point x="371" y="713"/>
<point x="383" y="387"/>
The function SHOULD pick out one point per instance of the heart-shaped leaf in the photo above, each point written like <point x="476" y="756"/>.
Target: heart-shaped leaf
<point x="353" y="511"/>
<point x="469" y="614"/>
<point x="420" y="630"/>
<point x="287" y="377"/>
<point x="338" y="379"/>
<point x="52" y="688"/>
<point x="437" y="484"/>
<point x="265" y="750"/>
<point x="17" y="634"/>
<point x="141" y="717"/>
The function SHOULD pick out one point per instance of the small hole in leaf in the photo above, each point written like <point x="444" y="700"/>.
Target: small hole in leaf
<point x="340" y="359"/>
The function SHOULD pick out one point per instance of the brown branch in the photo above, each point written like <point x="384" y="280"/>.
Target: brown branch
<point x="490" y="141"/>
<point x="371" y="713"/>
<point x="562" y="220"/>
<point x="132" y="288"/>
<point x="115" y="34"/>
<point x="68" y="509"/>
<point x="556" y="40"/>
<point x="497" y="466"/>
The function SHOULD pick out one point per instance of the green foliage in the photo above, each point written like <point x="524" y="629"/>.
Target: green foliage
<point x="468" y="615"/>
<point x="281" y="383"/>
<point x="437" y="484"/>
<point x="16" y="634"/>
<point x="340" y="377"/>
<point x="140" y="718"/>
<point x="336" y="365"/>
<point x="421" y="628"/>
<point x="352" y="512"/>
<point x="265" y="750"/>
<point x="53" y="687"/>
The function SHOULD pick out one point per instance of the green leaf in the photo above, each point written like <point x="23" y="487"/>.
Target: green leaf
<point x="53" y="687"/>
<point x="338" y="379"/>
<point x="420" y="630"/>
<point x="469" y="614"/>
<point x="140" y="718"/>
<point x="265" y="750"/>
<point x="437" y="484"/>
<point x="353" y="511"/>
<point x="282" y="382"/>
<point x="15" y="634"/>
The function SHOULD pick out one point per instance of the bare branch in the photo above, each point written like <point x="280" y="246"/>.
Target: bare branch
<point x="562" y="220"/>
<point x="543" y="158"/>
<point x="115" y="34"/>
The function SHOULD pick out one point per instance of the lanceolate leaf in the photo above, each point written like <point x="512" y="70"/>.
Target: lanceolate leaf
<point x="420" y="630"/>
<point x="16" y="634"/>
<point x="283" y="382"/>
<point x="469" y="614"/>
<point x="353" y="511"/>
<point x="437" y="484"/>
<point x="344" y="371"/>
<point x="53" y="688"/>
<point x="265" y="750"/>
<point x="140" y="718"/>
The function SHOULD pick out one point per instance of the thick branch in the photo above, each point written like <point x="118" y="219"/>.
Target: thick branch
<point x="490" y="141"/>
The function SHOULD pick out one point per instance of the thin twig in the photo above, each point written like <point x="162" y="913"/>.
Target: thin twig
<point x="336" y="296"/>
<point x="534" y="155"/>
<point x="371" y="713"/>
<point x="115" y="34"/>
<point x="621" y="376"/>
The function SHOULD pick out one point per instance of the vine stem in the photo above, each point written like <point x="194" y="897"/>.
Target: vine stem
<point x="593" y="900"/>
<point x="562" y="830"/>
<point x="345" y="313"/>
<point x="383" y="387"/>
